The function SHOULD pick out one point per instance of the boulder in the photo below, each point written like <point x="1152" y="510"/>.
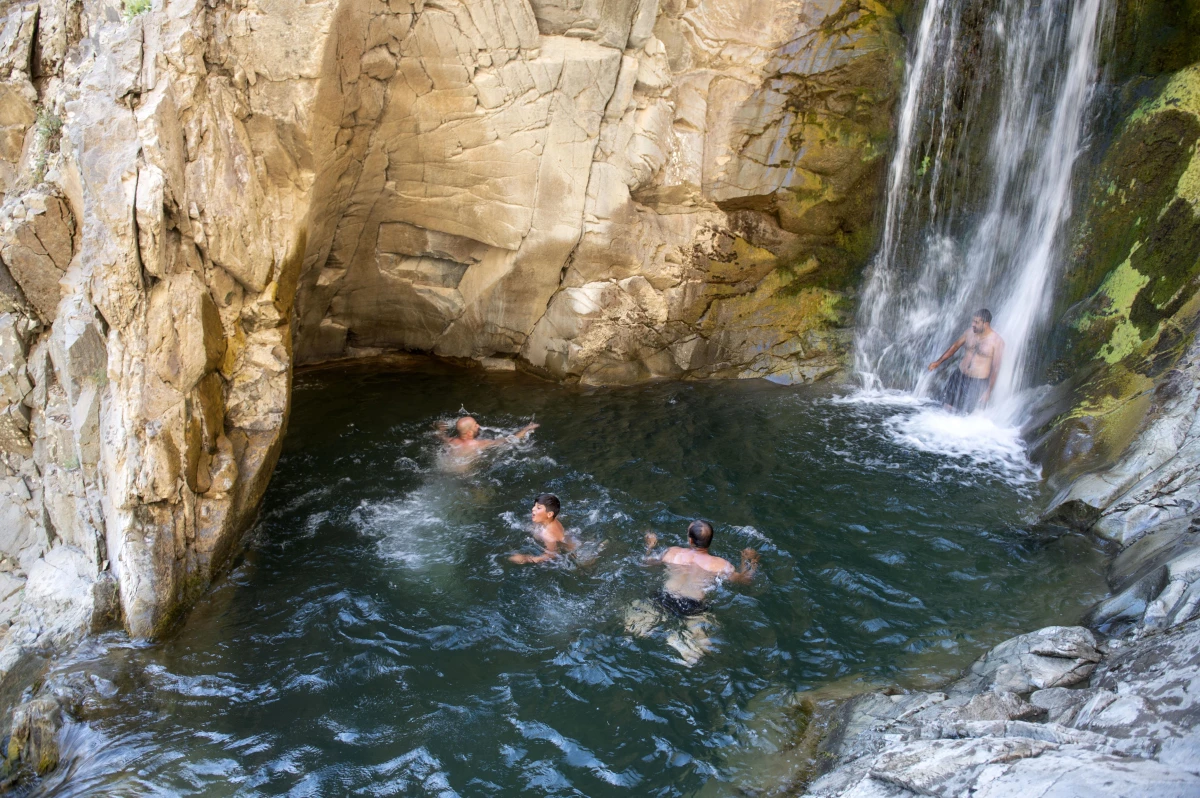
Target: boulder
<point x="1056" y="656"/>
<point x="1129" y="605"/>
<point x="34" y="738"/>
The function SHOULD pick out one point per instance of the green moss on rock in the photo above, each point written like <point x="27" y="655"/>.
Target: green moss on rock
<point x="1130" y="292"/>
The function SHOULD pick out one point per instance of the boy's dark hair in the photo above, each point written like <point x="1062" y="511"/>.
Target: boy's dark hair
<point x="700" y="533"/>
<point x="550" y="502"/>
<point x="984" y="314"/>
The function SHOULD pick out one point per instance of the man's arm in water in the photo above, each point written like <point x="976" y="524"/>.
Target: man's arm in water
<point x="996" y="357"/>
<point x="441" y="426"/>
<point x="949" y="353"/>
<point x="749" y="567"/>
<point x="516" y="436"/>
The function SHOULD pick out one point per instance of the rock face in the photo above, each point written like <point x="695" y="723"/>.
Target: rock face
<point x="198" y="196"/>
<point x="610" y="194"/>
<point x="1129" y="299"/>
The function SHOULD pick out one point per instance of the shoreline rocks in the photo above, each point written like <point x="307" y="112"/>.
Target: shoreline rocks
<point x="1059" y="711"/>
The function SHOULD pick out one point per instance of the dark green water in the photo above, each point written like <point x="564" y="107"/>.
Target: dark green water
<point x="375" y="641"/>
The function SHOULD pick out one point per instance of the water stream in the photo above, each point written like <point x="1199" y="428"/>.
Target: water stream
<point x="374" y="639"/>
<point x="994" y="115"/>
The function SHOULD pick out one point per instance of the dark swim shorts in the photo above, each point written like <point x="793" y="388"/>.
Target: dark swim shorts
<point x="679" y="606"/>
<point x="962" y="392"/>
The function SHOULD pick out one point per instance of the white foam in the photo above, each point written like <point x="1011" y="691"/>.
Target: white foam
<point x="987" y="439"/>
<point x="977" y="437"/>
<point x="412" y="531"/>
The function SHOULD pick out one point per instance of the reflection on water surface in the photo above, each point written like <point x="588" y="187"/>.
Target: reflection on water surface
<point x="374" y="640"/>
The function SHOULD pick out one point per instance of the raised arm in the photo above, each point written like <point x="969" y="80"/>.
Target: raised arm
<point x="528" y="428"/>
<point x="749" y="567"/>
<point x="949" y="353"/>
<point x="441" y="426"/>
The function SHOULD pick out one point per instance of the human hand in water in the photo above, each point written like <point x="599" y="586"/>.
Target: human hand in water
<point x="934" y="365"/>
<point x="651" y="540"/>
<point x="528" y="428"/>
<point x="750" y="555"/>
<point x="520" y="558"/>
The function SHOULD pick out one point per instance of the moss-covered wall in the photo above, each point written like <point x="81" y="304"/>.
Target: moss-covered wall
<point x="1129" y="302"/>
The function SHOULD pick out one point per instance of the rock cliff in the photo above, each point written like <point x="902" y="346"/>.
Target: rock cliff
<point x="1123" y="449"/>
<point x="196" y="197"/>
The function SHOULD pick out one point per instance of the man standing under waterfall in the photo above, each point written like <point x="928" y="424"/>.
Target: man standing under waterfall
<point x="971" y="386"/>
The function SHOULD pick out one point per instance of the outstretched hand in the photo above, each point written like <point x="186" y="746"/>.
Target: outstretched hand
<point x="528" y="428"/>
<point x="750" y="555"/>
<point x="521" y="558"/>
<point x="933" y="366"/>
<point x="651" y="540"/>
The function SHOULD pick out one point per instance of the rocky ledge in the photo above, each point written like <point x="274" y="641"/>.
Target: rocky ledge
<point x="1111" y="710"/>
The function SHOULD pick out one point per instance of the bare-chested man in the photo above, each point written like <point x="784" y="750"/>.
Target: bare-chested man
<point x="691" y="573"/>
<point x="971" y="386"/>
<point x="547" y="530"/>
<point x="464" y="448"/>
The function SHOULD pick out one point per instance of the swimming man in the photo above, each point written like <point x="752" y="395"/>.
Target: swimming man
<point x="691" y="573"/>
<point x="462" y="451"/>
<point x="972" y="385"/>
<point x="547" y="530"/>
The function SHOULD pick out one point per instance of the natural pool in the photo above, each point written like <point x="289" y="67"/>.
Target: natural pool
<point x="374" y="640"/>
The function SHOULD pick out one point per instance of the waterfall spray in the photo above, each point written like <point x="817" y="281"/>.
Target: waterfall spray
<point x="993" y="118"/>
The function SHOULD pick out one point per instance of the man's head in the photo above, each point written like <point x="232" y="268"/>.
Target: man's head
<point x="981" y="320"/>
<point x="467" y="427"/>
<point x="545" y="508"/>
<point x="700" y="534"/>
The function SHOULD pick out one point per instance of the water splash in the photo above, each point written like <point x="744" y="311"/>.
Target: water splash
<point x="992" y="121"/>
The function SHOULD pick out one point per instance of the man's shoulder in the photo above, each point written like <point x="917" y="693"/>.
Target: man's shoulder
<point x="717" y="564"/>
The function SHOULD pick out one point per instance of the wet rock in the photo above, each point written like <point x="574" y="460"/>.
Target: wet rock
<point x="1057" y="656"/>
<point x="1129" y="605"/>
<point x="34" y="739"/>
<point x="1159" y="546"/>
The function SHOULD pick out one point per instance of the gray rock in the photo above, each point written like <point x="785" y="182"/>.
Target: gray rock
<point x="1057" y="656"/>
<point x="1159" y="612"/>
<point x="1155" y="549"/>
<point x="993" y="706"/>
<point x="1021" y="767"/>
<point x="1060" y="703"/>
<point x="1128" y="606"/>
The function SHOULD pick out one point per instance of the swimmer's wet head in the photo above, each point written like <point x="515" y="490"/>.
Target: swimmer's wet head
<point x="546" y="508"/>
<point x="467" y="427"/>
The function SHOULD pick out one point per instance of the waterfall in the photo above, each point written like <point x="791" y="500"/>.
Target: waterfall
<point x="993" y="118"/>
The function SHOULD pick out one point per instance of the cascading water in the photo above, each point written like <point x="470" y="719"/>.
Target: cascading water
<point x="993" y="118"/>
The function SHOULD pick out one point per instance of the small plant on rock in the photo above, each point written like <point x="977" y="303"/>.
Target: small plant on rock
<point x="49" y="130"/>
<point x="135" y="7"/>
